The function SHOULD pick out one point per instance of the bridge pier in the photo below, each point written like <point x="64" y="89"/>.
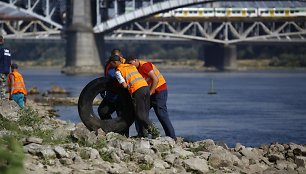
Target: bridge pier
<point x="223" y="57"/>
<point x="82" y="54"/>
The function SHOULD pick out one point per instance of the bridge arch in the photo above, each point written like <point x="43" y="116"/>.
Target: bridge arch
<point x="30" y="10"/>
<point x="144" y="12"/>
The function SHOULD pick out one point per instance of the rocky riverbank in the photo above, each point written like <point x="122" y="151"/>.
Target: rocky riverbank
<point x="51" y="145"/>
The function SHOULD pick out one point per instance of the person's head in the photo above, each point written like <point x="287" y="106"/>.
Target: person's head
<point x="114" y="61"/>
<point x="132" y="60"/>
<point x="1" y="39"/>
<point x="117" y="51"/>
<point x="14" y="67"/>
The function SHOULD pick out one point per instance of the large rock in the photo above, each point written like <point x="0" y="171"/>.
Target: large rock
<point x="223" y="158"/>
<point x="9" y="110"/>
<point x="196" y="165"/>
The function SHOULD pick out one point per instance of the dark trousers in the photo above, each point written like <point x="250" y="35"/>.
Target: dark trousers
<point x="106" y="109"/>
<point x="141" y="104"/>
<point x="122" y="105"/>
<point x="159" y="103"/>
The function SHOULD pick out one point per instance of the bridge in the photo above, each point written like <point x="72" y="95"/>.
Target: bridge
<point x="86" y="24"/>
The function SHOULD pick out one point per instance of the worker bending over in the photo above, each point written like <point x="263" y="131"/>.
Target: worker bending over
<point x="158" y="92"/>
<point x="128" y="76"/>
<point x="16" y="86"/>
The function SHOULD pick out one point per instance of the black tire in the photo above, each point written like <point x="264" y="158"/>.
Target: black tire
<point x="85" y="108"/>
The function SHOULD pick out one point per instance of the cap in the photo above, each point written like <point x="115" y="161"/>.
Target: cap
<point x="14" y="66"/>
<point x="114" y="58"/>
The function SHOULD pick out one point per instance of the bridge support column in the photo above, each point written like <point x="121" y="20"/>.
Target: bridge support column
<point x="82" y="54"/>
<point x="223" y="57"/>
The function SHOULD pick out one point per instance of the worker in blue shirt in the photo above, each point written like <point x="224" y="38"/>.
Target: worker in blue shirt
<point x="5" y="64"/>
<point x="118" y="99"/>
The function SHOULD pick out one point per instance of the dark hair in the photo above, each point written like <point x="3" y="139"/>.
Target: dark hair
<point x="114" y="58"/>
<point x="130" y="57"/>
<point x="116" y="51"/>
<point x="14" y="66"/>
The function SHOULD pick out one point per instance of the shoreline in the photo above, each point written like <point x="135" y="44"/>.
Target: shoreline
<point x="51" y="145"/>
<point x="189" y="66"/>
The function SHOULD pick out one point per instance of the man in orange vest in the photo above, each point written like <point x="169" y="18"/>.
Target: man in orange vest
<point x="158" y="92"/>
<point x="16" y="86"/>
<point x="128" y="77"/>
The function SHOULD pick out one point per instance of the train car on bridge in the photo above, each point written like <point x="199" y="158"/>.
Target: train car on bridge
<point x="281" y="12"/>
<point x="233" y="12"/>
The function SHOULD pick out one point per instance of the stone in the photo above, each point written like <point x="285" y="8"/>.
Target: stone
<point x="300" y="161"/>
<point x="208" y="144"/>
<point x="33" y="90"/>
<point x="63" y="131"/>
<point x="57" y="90"/>
<point x="33" y="140"/>
<point x="181" y="152"/>
<point x="170" y="158"/>
<point x="66" y="161"/>
<point x="32" y="148"/>
<point x="274" y="157"/>
<point x="223" y="158"/>
<point x="47" y="152"/>
<point x="89" y="153"/>
<point x="249" y="154"/>
<point x="222" y="144"/>
<point x="239" y="147"/>
<point x="60" y="152"/>
<point x="127" y="147"/>
<point x="84" y="135"/>
<point x="197" y="165"/>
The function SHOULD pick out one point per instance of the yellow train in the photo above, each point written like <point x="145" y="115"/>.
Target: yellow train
<point x="234" y="12"/>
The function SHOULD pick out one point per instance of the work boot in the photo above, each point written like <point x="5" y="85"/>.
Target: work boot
<point x="153" y="131"/>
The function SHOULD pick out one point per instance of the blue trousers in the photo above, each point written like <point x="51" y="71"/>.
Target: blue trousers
<point x="159" y="104"/>
<point x="19" y="99"/>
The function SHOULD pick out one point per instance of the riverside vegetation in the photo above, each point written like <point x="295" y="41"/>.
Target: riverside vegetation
<point x="34" y="141"/>
<point x="53" y="53"/>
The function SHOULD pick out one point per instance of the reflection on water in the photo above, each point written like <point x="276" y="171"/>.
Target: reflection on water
<point x="250" y="107"/>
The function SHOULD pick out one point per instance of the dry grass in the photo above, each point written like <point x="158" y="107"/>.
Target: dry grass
<point x="261" y="63"/>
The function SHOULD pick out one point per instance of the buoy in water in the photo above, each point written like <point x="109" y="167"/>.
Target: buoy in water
<point x="212" y="90"/>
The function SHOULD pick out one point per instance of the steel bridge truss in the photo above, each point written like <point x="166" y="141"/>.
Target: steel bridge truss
<point x="32" y="17"/>
<point x="227" y="32"/>
<point x="28" y="29"/>
<point x="47" y="18"/>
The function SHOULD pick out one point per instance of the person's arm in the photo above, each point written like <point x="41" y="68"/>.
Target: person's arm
<point x="11" y="87"/>
<point x="120" y="79"/>
<point x="154" y="78"/>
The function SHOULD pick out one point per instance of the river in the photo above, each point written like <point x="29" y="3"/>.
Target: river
<point x="251" y="107"/>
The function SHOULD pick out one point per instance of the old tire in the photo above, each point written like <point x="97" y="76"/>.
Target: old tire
<point x="85" y="108"/>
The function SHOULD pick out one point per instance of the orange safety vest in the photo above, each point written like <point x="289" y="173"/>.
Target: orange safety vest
<point x="132" y="77"/>
<point x="108" y="67"/>
<point x="18" y="85"/>
<point x="161" y="79"/>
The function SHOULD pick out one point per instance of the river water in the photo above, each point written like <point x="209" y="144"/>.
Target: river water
<point x="252" y="108"/>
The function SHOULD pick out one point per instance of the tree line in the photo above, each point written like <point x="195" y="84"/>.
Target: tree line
<point x="279" y="55"/>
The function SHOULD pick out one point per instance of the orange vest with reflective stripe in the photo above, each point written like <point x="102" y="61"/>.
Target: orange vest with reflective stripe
<point x="161" y="79"/>
<point x="132" y="77"/>
<point x="18" y="85"/>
